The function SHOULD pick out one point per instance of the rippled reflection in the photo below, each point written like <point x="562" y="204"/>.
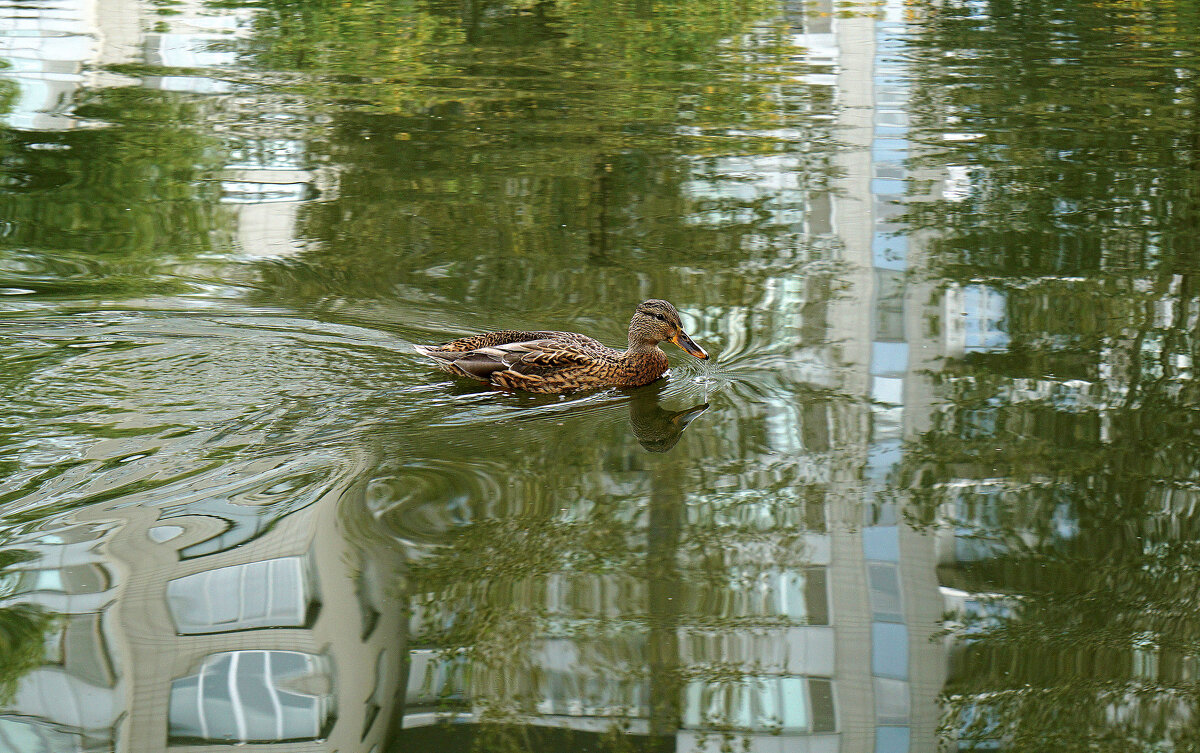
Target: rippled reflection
<point x="657" y="428"/>
<point x="1057" y="467"/>
<point x="935" y="490"/>
<point x="138" y="613"/>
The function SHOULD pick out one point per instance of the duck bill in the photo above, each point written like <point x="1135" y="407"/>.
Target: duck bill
<point x="684" y="417"/>
<point x="689" y="347"/>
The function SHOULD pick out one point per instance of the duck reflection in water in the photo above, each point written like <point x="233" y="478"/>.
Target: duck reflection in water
<point x="656" y="428"/>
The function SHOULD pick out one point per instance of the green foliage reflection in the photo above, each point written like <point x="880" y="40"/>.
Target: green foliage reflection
<point x="1065" y="463"/>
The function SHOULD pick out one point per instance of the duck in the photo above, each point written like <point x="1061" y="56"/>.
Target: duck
<point x="550" y="362"/>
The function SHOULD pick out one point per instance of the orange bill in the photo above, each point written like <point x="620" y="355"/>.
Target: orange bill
<point x="689" y="347"/>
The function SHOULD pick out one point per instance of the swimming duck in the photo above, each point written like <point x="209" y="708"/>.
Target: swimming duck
<point x="562" y="361"/>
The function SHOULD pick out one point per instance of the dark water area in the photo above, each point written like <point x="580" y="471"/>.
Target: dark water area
<point x="935" y="490"/>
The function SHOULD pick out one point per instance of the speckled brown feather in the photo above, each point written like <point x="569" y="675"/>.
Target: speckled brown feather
<point x="506" y="336"/>
<point x="546" y="361"/>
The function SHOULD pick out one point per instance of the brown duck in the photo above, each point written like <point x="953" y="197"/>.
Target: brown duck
<point x="561" y="361"/>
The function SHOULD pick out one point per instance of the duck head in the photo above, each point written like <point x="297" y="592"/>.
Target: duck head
<point x="657" y="321"/>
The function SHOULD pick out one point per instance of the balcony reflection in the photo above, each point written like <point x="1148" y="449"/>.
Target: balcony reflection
<point x="61" y="680"/>
<point x="253" y="696"/>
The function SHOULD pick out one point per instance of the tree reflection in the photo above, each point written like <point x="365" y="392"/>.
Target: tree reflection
<point x="99" y="211"/>
<point x="24" y="627"/>
<point x="551" y="152"/>
<point x="1061" y="465"/>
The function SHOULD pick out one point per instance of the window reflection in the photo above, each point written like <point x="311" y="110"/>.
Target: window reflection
<point x="977" y="319"/>
<point x="889" y="305"/>
<point x="889" y="650"/>
<point x="271" y="593"/>
<point x="86" y="578"/>
<point x="801" y="595"/>
<point x="79" y="648"/>
<point x="796" y="705"/>
<point x="884" y="583"/>
<point x="253" y="696"/>
<point x="435" y="679"/>
<point x="29" y="735"/>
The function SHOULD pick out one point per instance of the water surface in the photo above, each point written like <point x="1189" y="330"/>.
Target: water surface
<point x="936" y="488"/>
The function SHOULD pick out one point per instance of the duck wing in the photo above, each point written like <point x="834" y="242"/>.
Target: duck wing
<point x="530" y="358"/>
<point x="512" y="336"/>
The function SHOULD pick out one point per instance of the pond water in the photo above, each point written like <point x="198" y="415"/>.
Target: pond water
<point x="936" y="489"/>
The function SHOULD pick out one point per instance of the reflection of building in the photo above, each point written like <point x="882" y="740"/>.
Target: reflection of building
<point x="55" y="48"/>
<point x="279" y="634"/>
<point x="885" y="603"/>
<point x="790" y="692"/>
<point x="73" y="702"/>
<point x="61" y="52"/>
<point x="203" y="611"/>
<point x="903" y="669"/>
<point x="49" y="51"/>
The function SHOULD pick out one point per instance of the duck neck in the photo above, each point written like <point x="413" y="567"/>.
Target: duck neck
<point x="640" y="347"/>
<point x="643" y="362"/>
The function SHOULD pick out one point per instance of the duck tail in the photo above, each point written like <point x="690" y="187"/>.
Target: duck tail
<point x="444" y="360"/>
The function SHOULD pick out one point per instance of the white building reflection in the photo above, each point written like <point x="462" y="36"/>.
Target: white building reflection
<point x="185" y="626"/>
<point x="216" y="621"/>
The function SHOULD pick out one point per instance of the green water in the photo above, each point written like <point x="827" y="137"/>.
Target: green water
<point x="936" y="489"/>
